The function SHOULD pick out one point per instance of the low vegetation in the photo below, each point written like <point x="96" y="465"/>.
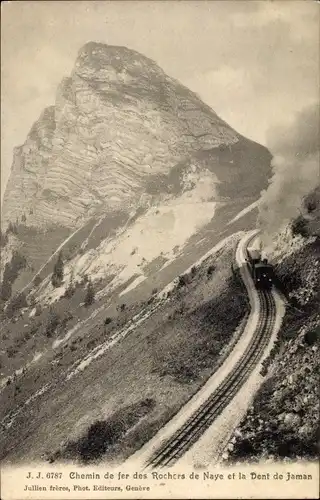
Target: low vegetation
<point x="52" y="323"/>
<point x="89" y="297"/>
<point x="176" y="349"/>
<point x="210" y="270"/>
<point x="37" y="280"/>
<point x="121" y="307"/>
<point x="182" y="280"/>
<point x="15" y="304"/>
<point x="58" y="272"/>
<point x="3" y="239"/>
<point x="10" y="274"/>
<point x="102" y="435"/>
<point x="211" y="324"/>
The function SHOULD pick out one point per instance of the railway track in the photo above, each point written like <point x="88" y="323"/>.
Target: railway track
<point x="173" y="449"/>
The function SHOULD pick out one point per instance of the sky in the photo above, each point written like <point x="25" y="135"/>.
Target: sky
<point x="256" y="63"/>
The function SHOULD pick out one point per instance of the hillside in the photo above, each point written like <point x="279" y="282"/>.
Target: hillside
<point x="121" y="138"/>
<point x="105" y="379"/>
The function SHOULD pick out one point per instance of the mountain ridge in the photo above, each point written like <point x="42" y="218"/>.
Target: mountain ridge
<point x="117" y="120"/>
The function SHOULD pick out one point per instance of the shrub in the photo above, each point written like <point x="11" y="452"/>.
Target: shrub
<point x="52" y="324"/>
<point x="16" y="303"/>
<point x="38" y="310"/>
<point x="91" y="343"/>
<point x="32" y="301"/>
<point x="66" y="318"/>
<point x="11" y="272"/>
<point x="6" y="290"/>
<point x="311" y="205"/>
<point x="108" y="320"/>
<point x="11" y="351"/>
<point x="89" y="298"/>
<point x="18" y="262"/>
<point x="121" y="307"/>
<point x="312" y="336"/>
<point x="102" y="435"/>
<point x="182" y="281"/>
<point x="210" y="270"/>
<point x="58" y="272"/>
<point x="37" y="280"/>
<point x="70" y="290"/>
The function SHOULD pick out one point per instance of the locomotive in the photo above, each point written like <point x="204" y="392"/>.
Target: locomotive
<point x="261" y="270"/>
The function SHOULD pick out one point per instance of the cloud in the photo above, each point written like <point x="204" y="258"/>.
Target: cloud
<point x="295" y="169"/>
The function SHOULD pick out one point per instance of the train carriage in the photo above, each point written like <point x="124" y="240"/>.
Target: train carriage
<point x="261" y="271"/>
<point x="263" y="275"/>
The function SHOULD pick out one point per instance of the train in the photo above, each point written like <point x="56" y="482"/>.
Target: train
<point x="261" y="271"/>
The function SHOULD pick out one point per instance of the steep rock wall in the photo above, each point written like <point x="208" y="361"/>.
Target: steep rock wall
<point x="118" y="121"/>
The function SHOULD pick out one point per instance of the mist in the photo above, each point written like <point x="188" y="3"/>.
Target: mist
<point x="295" y="164"/>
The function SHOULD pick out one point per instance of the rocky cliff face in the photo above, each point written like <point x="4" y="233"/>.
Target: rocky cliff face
<point x="118" y="122"/>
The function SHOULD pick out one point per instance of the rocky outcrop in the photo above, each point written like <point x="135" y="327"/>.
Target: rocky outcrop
<point x="283" y="421"/>
<point x="118" y="122"/>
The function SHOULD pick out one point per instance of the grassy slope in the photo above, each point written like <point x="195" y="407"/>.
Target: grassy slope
<point x="38" y="247"/>
<point x="21" y="340"/>
<point x="138" y="384"/>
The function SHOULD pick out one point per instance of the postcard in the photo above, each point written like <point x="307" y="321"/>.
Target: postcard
<point x="160" y="264"/>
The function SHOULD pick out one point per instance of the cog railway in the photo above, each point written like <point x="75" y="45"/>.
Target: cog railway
<point x="175" y="447"/>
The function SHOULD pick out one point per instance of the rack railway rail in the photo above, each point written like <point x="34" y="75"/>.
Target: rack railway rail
<point x="182" y="440"/>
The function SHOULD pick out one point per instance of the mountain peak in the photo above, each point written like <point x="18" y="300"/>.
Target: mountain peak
<point x="121" y="127"/>
<point x="100" y="58"/>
